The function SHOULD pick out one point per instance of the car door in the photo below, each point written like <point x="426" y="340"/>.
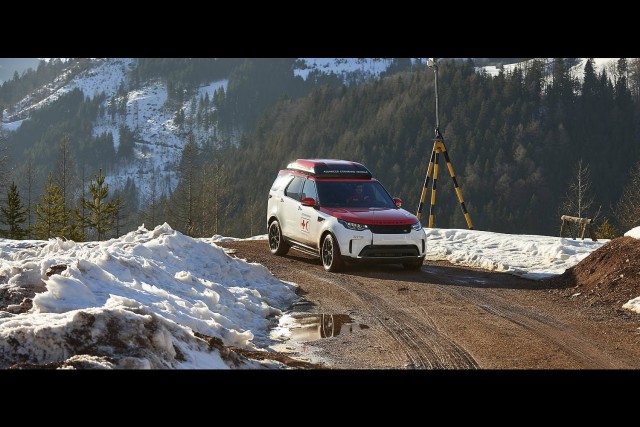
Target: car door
<point x="291" y="209"/>
<point x="309" y="216"/>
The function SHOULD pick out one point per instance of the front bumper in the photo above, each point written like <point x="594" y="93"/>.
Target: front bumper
<point x="356" y="246"/>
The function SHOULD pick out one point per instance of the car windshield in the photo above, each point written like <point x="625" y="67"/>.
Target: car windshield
<point x="353" y="194"/>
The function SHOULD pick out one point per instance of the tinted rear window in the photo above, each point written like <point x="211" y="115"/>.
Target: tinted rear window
<point x="281" y="180"/>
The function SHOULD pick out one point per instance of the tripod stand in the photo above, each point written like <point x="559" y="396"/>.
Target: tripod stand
<point x="439" y="147"/>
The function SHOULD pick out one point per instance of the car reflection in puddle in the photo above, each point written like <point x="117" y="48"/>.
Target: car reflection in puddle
<point x="310" y="327"/>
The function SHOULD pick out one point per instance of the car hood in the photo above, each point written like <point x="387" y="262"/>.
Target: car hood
<point x="372" y="216"/>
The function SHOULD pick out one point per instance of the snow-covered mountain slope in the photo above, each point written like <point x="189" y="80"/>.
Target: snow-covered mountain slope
<point x="159" y="140"/>
<point x="343" y="66"/>
<point x="103" y="75"/>
<point x="577" y="71"/>
<point x="106" y="75"/>
<point x="145" y="111"/>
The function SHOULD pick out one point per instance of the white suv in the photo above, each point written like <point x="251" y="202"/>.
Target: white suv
<point x="336" y="210"/>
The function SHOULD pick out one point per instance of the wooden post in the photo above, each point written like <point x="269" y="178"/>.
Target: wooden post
<point x="583" y="225"/>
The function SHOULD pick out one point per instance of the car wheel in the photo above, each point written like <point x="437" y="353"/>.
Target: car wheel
<point x="277" y="245"/>
<point x="414" y="265"/>
<point x="330" y="254"/>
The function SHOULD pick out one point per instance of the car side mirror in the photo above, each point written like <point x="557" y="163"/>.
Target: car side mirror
<point x="308" y="201"/>
<point x="398" y="202"/>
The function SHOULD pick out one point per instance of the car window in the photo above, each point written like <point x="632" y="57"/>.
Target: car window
<point x="346" y="194"/>
<point x="380" y="195"/>
<point x="280" y="181"/>
<point x="309" y="190"/>
<point x="293" y="189"/>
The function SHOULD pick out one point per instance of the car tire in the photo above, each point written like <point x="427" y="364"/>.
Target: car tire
<point x="330" y="254"/>
<point x="277" y="245"/>
<point x="414" y="265"/>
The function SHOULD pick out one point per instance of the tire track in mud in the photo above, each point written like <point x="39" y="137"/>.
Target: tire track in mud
<point x="416" y="332"/>
<point x="426" y="347"/>
<point x="540" y="324"/>
<point x="381" y="343"/>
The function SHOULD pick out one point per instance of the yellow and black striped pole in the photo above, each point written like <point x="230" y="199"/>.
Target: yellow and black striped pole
<point x="439" y="147"/>
<point x="426" y="184"/>
<point x="432" y="207"/>
<point x="457" y="188"/>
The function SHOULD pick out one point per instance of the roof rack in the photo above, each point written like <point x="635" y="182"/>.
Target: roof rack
<point x="330" y="168"/>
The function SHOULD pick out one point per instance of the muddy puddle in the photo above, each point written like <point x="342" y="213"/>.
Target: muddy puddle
<point x="310" y="327"/>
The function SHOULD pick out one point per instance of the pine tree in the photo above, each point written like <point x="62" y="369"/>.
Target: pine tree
<point x="115" y="207"/>
<point x="185" y="198"/>
<point x="151" y="201"/>
<point x="192" y="113"/>
<point x="101" y="215"/>
<point x="590" y="80"/>
<point x="128" y="208"/>
<point x="65" y="179"/>
<point x="13" y="215"/>
<point x="5" y="171"/>
<point x="127" y="144"/>
<point x="634" y="77"/>
<point x="219" y="189"/>
<point x="606" y="230"/>
<point x="534" y="80"/>
<point x="560" y="94"/>
<point x="205" y="201"/>
<point x="621" y="88"/>
<point x="29" y="175"/>
<point x="77" y="225"/>
<point x="50" y="212"/>
<point x="627" y="209"/>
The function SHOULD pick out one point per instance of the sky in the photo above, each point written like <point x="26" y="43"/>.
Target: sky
<point x="141" y="297"/>
<point x="8" y="66"/>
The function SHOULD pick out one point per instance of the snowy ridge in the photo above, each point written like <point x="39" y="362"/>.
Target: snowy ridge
<point x="140" y="297"/>
<point x="104" y="75"/>
<point x="577" y="71"/>
<point x="369" y="67"/>
<point x="159" y="142"/>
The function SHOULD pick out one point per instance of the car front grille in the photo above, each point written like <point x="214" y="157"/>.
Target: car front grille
<point x="389" y="251"/>
<point x="390" y="229"/>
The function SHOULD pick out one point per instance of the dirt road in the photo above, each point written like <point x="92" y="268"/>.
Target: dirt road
<point x="446" y="317"/>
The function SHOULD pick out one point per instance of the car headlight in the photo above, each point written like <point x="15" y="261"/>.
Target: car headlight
<point x="353" y="225"/>
<point x="417" y="226"/>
